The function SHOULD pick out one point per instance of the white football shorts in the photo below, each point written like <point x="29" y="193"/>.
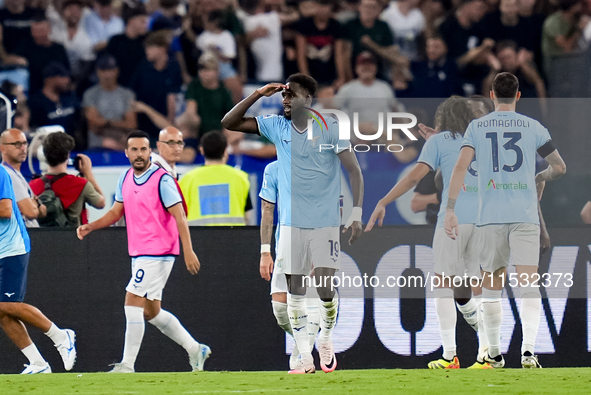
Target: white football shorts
<point x="298" y="248"/>
<point x="457" y="257"/>
<point x="149" y="275"/>
<point x="499" y="242"/>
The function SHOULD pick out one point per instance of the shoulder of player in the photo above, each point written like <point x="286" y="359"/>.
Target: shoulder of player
<point x="271" y="168"/>
<point x="272" y="118"/>
<point x="4" y="172"/>
<point x="438" y="138"/>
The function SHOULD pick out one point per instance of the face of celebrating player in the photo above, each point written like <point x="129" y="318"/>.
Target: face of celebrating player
<point x="294" y="97"/>
<point x="138" y="151"/>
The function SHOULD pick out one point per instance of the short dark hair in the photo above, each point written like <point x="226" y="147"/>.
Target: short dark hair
<point x="137" y="134"/>
<point x="214" y="145"/>
<point x="505" y="87"/>
<point x="305" y="81"/>
<point x="57" y="147"/>
<point x="157" y="39"/>
<point x="132" y="9"/>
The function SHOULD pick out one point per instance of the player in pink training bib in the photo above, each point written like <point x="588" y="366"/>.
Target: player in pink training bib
<point x="155" y="219"/>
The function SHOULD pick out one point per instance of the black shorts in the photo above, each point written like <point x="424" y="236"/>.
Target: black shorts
<point x="13" y="278"/>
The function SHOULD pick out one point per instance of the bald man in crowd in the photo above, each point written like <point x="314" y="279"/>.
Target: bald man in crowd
<point x="170" y="148"/>
<point x="13" y="145"/>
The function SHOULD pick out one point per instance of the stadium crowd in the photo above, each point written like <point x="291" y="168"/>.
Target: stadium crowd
<point x="101" y="68"/>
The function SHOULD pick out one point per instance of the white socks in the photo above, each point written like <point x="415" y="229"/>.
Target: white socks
<point x="134" y="333"/>
<point x="447" y="316"/>
<point x="298" y="318"/>
<point x="482" y="338"/>
<point x="492" y="319"/>
<point x="57" y="335"/>
<point x="171" y="327"/>
<point x="470" y="312"/>
<point x="328" y="318"/>
<point x="33" y="355"/>
<point x="280" y="312"/>
<point x="313" y="319"/>
<point x="531" y="304"/>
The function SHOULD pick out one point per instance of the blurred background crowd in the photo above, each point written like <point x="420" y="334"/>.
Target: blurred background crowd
<point x="100" y="68"/>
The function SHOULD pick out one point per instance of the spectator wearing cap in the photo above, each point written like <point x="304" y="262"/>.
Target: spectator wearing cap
<point x="437" y="76"/>
<point x="55" y="104"/>
<point x="15" y="21"/>
<point x="354" y="95"/>
<point x="157" y="82"/>
<point x="107" y="108"/>
<point x="128" y="48"/>
<point x="69" y="31"/>
<point x="102" y="23"/>
<point x="41" y="51"/>
<point x="562" y="31"/>
<point x="368" y="33"/>
<point x="207" y="97"/>
<point x="320" y="46"/>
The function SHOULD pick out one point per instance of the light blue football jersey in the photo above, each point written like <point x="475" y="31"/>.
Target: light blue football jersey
<point x="309" y="171"/>
<point x="505" y="144"/>
<point x="14" y="239"/>
<point x="270" y="191"/>
<point x="442" y="151"/>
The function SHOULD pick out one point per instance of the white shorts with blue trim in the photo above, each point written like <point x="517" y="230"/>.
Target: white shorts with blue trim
<point x="149" y="275"/>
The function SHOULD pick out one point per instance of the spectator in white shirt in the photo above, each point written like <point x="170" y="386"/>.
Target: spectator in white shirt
<point x="69" y="31"/>
<point x="263" y="36"/>
<point x="221" y="44"/>
<point x="101" y="24"/>
<point x="406" y="21"/>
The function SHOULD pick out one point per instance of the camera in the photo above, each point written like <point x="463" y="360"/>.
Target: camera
<point x="75" y="162"/>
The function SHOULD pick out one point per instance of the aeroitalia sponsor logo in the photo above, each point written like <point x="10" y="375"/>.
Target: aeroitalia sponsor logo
<point x="468" y="188"/>
<point x="511" y="185"/>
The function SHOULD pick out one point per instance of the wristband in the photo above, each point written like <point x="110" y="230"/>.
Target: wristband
<point x="355" y="216"/>
<point x="265" y="248"/>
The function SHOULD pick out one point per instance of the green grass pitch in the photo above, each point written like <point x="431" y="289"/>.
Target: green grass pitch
<point x="364" y="382"/>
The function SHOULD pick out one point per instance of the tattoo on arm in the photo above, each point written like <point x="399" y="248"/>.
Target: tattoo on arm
<point x="267" y="222"/>
<point x="451" y="203"/>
